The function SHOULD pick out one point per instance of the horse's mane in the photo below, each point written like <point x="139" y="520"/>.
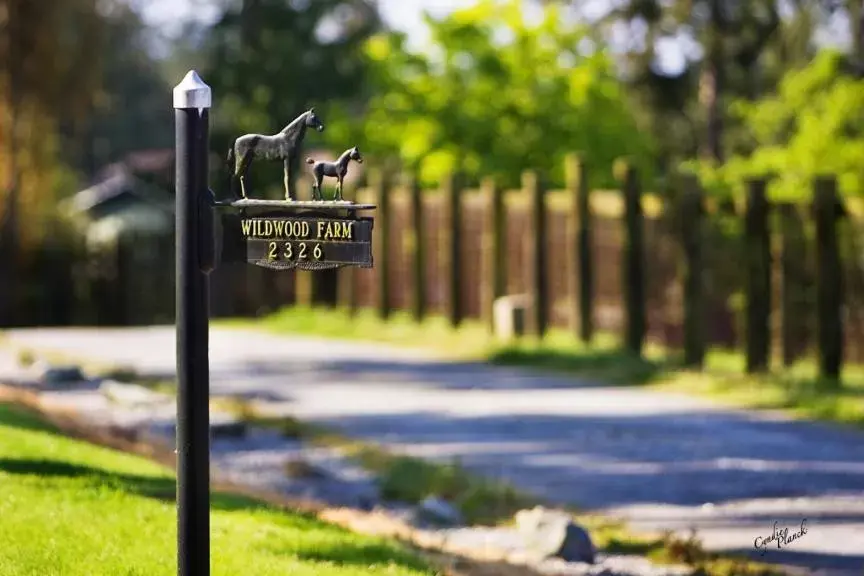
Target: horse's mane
<point x="296" y="126"/>
<point x="345" y="154"/>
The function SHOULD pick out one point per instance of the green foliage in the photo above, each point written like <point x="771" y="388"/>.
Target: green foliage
<point x="745" y="48"/>
<point x="497" y="95"/>
<point x="50" y="57"/>
<point x="813" y="125"/>
<point x="270" y="61"/>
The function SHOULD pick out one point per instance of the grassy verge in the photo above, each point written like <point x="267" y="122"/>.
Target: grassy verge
<point x="470" y="340"/>
<point x="796" y="390"/>
<point x="401" y="478"/>
<point x="72" y="508"/>
<point x="484" y="501"/>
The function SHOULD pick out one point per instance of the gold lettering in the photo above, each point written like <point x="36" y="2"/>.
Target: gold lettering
<point x="271" y="251"/>
<point x="325" y="230"/>
<point x="289" y="253"/>
<point x="296" y="229"/>
<point x="302" y="254"/>
<point x="347" y="230"/>
<point x="316" y="252"/>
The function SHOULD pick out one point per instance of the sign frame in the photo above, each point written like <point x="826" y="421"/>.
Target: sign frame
<point x="294" y="235"/>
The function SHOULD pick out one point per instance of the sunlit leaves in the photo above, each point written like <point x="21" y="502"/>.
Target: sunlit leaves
<point x="814" y="125"/>
<point x="378" y="47"/>
<point x="491" y="98"/>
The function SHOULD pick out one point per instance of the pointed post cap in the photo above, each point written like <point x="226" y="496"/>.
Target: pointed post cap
<point x="192" y="92"/>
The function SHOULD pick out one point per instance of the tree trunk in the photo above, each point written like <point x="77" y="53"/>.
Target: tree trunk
<point x="856" y="23"/>
<point x="9" y="223"/>
<point x="713" y="83"/>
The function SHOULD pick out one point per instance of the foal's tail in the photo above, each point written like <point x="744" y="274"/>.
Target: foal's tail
<point x="310" y="161"/>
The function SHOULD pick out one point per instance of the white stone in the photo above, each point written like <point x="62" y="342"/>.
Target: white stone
<point x="508" y="313"/>
<point x="62" y="375"/>
<point x="440" y="511"/>
<point x="553" y="533"/>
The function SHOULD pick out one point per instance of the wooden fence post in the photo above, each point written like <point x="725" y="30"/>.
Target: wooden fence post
<point x="634" y="260"/>
<point x="494" y="278"/>
<point x="324" y="288"/>
<point x="416" y="247"/>
<point x="537" y="261"/>
<point x="757" y="256"/>
<point x="304" y="283"/>
<point x="346" y="293"/>
<point x="691" y="213"/>
<point x="829" y="279"/>
<point x="381" y="245"/>
<point x="452" y="244"/>
<point x="795" y="304"/>
<point x="579" y="238"/>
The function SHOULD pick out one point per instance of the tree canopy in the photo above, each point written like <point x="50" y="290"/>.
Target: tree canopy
<point x="50" y="53"/>
<point x="728" y="50"/>
<point x="496" y="96"/>
<point x="812" y="126"/>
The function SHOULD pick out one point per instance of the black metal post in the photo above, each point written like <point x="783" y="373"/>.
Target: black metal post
<point x="191" y="100"/>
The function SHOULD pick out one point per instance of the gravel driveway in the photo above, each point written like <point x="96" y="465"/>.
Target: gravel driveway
<point x="662" y="461"/>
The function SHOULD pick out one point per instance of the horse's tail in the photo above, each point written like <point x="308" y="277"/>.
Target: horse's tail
<point x="310" y="161"/>
<point x="231" y="170"/>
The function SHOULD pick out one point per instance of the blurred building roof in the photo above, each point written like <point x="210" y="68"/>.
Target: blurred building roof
<point x="118" y="189"/>
<point x="157" y="162"/>
<point x="137" y="219"/>
<point x="127" y="196"/>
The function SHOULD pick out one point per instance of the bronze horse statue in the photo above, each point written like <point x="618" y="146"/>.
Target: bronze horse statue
<point x="283" y="146"/>
<point x="337" y="169"/>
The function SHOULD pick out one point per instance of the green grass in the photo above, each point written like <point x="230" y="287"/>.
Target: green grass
<point x="70" y="508"/>
<point x="469" y="341"/>
<point x="796" y="390"/>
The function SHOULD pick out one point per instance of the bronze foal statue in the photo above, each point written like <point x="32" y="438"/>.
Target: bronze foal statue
<point x="337" y="169"/>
